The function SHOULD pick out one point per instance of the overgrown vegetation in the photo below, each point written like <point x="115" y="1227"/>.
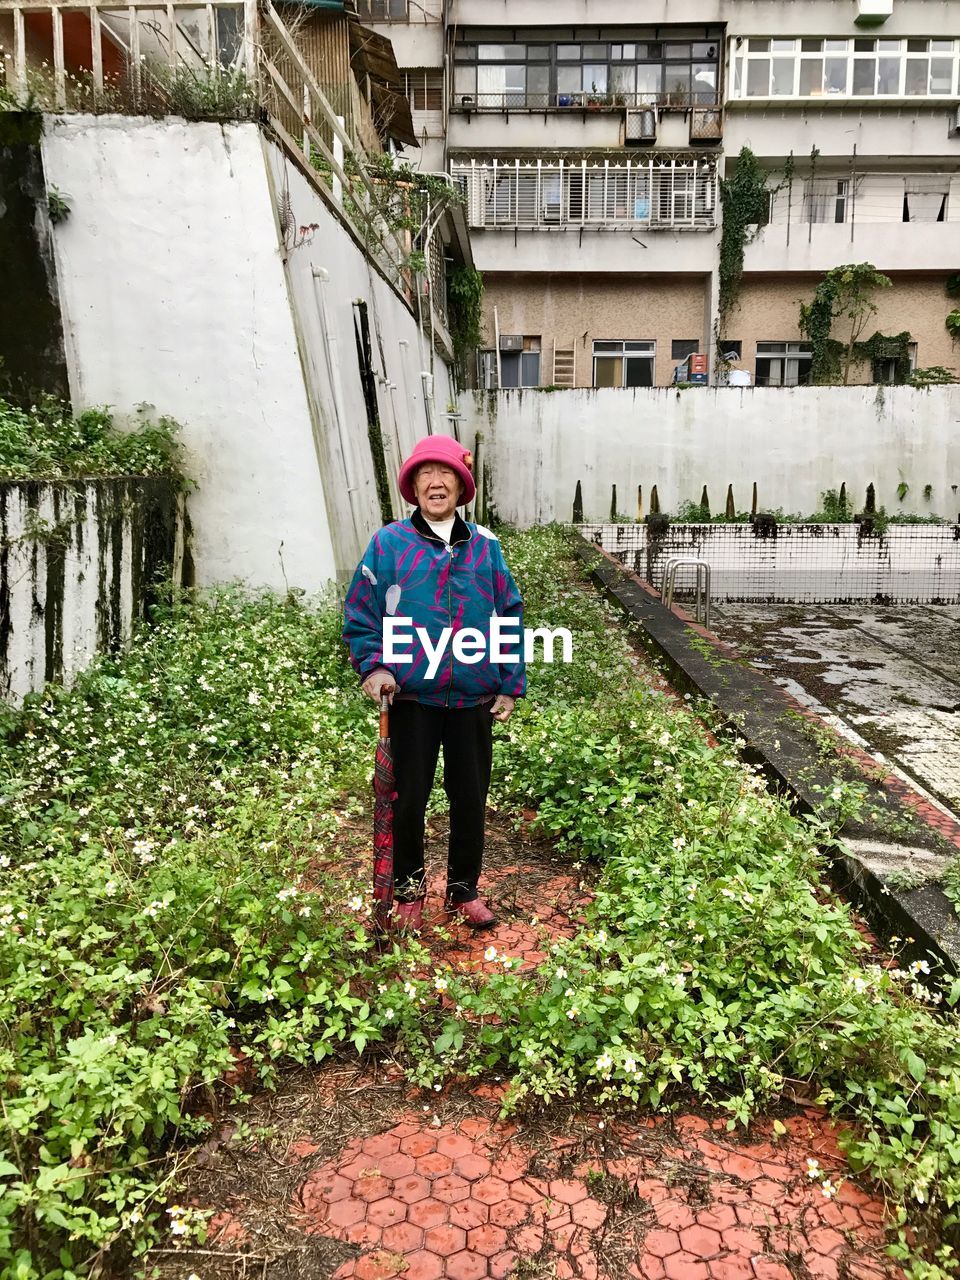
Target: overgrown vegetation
<point x="48" y="442"/>
<point x="196" y="93"/>
<point x="465" y="290"/>
<point x="745" y="199"/>
<point x="845" y="293"/>
<point x="159" y="830"/>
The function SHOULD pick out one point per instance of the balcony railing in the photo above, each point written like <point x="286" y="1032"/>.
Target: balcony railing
<point x="657" y="190"/>
<point x="521" y="101"/>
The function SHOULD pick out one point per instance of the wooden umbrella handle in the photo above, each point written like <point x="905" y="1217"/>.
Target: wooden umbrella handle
<point x="384" y="715"/>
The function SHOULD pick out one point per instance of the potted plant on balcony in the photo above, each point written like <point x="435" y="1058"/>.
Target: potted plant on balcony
<point x="596" y="100"/>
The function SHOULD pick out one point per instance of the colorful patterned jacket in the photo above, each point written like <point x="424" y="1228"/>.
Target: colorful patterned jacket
<point x="408" y="572"/>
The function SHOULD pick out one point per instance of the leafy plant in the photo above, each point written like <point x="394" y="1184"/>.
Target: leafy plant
<point x="953" y="323"/>
<point x="48" y="442"/>
<point x="845" y="292"/>
<point x="934" y="375"/>
<point x="465" y="298"/>
<point x="745" y="198"/>
<point x="58" y="206"/>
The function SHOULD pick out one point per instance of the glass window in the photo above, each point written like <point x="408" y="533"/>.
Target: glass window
<point x="811" y="46"/>
<point x="521" y="368"/>
<point x="918" y="74"/>
<point x="864" y="75"/>
<point x="835" y="75"/>
<point x="783" y="77"/>
<point x="568" y="82"/>
<point x="538" y="53"/>
<point x="538" y="82"/>
<point x="941" y="46"/>
<point x="595" y="51"/>
<point x="623" y="364"/>
<point x="811" y="76"/>
<point x="783" y="46"/>
<point x="677" y="52"/>
<point x="680" y="348"/>
<point x="864" y="46"/>
<point x="705" y="82"/>
<point x="783" y="364"/>
<point x="464" y="81"/>
<point x="705" y="51"/>
<point x="918" y="46"/>
<point x="941" y="75"/>
<point x="594" y="78"/>
<point x="836" y="46"/>
<point x="623" y="80"/>
<point x="758" y="46"/>
<point x="758" y="77"/>
<point x="648" y="79"/>
<point x="888" y="78"/>
<point x="568" y="52"/>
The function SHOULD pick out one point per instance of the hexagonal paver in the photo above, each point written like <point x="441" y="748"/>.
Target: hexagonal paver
<point x="451" y="1188"/>
<point x="345" y="1212"/>
<point x="418" y="1144"/>
<point x="386" y="1211"/>
<point x="371" y="1189"/>
<point x="567" y="1191"/>
<point x="684" y="1266"/>
<point x="662" y="1243"/>
<point x="488" y="1240"/>
<point x="445" y="1240"/>
<point x="469" y="1213"/>
<point x="472" y="1166"/>
<point x="434" y="1165"/>
<point x="383" y="1144"/>
<point x="398" y="1165"/>
<point x="510" y="1213"/>
<point x="422" y="1265"/>
<point x="702" y="1242"/>
<point x="490" y="1190"/>
<point x="466" y="1266"/>
<point x="428" y="1213"/>
<point x="732" y="1268"/>
<point x="411" y="1189"/>
<point x="589" y="1213"/>
<point x="402" y="1237"/>
<point x="454" y="1144"/>
<point x="504" y="1265"/>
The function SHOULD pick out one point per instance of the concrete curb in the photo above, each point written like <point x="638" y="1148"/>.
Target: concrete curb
<point x="769" y="720"/>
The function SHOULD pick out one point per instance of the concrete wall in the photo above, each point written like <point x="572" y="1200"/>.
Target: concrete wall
<point x="177" y="289"/>
<point x="574" y="310"/>
<point x="826" y="563"/>
<point x="769" y="311"/>
<point x="78" y="561"/>
<point x="793" y="442"/>
<point x="616" y="252"/>
<point x="913" y="129"/>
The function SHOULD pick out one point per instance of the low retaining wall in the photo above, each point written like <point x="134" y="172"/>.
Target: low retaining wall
<point x="822" y="563"/>
<point x="79" y="561"/>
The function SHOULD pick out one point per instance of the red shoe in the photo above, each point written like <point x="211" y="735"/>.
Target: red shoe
<point x="475" y="913"/>
<point x="408" y="916"/>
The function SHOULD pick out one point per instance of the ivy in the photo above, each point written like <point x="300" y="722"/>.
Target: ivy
<point x="843" y="293"/>
<point x="894" y="347"/>
<point x="745" y="201"/>
<point x="465" y="296"/>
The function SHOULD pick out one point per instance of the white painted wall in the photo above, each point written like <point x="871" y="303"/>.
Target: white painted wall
<point x="890" y="246"/>
<point x="175" y="293"/>
<point x="612" y="252"/>
<point x="795" y="442"/>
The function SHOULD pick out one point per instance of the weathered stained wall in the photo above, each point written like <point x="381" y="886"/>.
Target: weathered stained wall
<point x="32" y="359"/>
<point x="793" y="442"/>
<point x="79" y="561"/>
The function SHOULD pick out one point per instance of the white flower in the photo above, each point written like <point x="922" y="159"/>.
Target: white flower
<point x="288" y="892"/>
<point x="828" y="1189"/>
<point x="440" y="984"/>
<point x="253" y="697"/>
<point x="304" y="911"/>
<point x="919" y="966"/>
<point x="678" y="842"/>
<point x="490" y="953"/>
<point x="4" y="860"/>
<point x="561" y="972"/>
<point x="409" y="989"/>
<point x="355" y="903"/>
<point x="604" y="1064"/>
<point x="388" y="1014"/>
<point x="813" y="1167"/>
<point x="573" y="1013"/>
<point x="110" y="888"/>
<point x="836" y="793"/>
<point x="601" y="938"/>
<point x="664" y="739"/>
<point x="630" y="1066"/>
<point x="153" y="908"/>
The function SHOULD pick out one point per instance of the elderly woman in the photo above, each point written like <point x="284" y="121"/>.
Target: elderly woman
<point x="441" y="575"/>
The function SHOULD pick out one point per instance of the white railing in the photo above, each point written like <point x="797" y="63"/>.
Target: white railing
<point x="655" y="190"/>
<point x="124" y="55"/>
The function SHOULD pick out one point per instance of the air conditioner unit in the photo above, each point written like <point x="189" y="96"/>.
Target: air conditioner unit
<point x="511" y="342"/>
<point x="551" y="211"/>
<point x="641" y="126"/>
<point x="955" y="122"/>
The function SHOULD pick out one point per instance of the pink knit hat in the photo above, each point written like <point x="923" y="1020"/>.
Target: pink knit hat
<point x="442" y="449"/>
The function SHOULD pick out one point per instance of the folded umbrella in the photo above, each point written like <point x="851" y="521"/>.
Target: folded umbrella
<point x="384" y="790"/>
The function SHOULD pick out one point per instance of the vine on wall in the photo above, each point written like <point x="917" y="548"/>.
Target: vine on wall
<point x="845" y="292"/>
<point x="465" y="295"/>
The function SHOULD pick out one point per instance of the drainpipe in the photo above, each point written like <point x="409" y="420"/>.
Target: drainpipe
<point x="321" y="278"/>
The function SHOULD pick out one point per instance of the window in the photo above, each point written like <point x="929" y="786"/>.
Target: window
<point x="680" y="348"/>
<point x="520" y="368"/>
<point x="783" y="364"/>
<point x="383" y="10"/>
<point x="825" y="200"/>
<point x="623" y="364"/>
<point x="925" y="199"/>
<point x="424" y="89"/>
<point x="582" y="73"/>
<point x="864" y="67"/>
<point x="885" y="367"/>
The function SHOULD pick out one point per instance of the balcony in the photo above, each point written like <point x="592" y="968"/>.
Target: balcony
<point x="658" y="190"/>
<point x="509" y="100"/>
<point x="900" y="222"/>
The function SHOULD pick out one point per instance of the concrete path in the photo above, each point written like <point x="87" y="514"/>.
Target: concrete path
<point x="891" y="673"/>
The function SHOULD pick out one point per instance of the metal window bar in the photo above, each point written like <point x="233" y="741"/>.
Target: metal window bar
<point x="652" y="191"/>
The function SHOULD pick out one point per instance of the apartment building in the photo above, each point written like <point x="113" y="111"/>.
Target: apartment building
<point x="590" y="141"/>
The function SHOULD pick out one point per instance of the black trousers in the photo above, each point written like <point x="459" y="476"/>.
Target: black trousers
<point x="417" y="733"/>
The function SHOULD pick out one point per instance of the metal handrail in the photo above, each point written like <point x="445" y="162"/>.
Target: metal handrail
<point x="669" y="582"/>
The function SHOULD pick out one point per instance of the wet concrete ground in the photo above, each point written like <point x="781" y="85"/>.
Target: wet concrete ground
<point x="890" y="673"/>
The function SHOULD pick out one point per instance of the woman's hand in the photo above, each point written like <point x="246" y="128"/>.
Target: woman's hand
<point x="502" y="707"/>
<point x="380" y="682"/>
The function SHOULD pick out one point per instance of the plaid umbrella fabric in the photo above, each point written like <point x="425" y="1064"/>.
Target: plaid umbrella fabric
<point x="384" y="789"/>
